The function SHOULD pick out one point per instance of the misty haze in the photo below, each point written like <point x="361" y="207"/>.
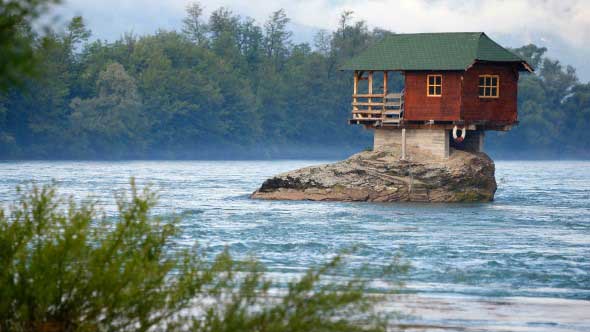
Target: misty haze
<point x="294" y="166"/>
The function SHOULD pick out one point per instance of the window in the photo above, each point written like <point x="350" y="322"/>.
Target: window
<point x="434" y="86"/>
<point x="489" y="86"/>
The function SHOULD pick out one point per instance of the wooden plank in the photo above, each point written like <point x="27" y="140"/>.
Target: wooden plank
<point x="365" y="95"/>
<point x="370" y="86"/>
<point x="355" y="89"/>
<point x="367" y="119"/>
<point x="384" y="86"/>
<point x="367" y="103"/>
<point x="366" y="112"/>
<point x="367" y="122"/>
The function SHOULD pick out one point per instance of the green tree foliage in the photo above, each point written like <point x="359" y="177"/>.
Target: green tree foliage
<point x="17" y="39"/>
<point x="113" y="117"/>
<point x="277" y="38"/>
<point x="552" y="107"/>
<point x="192" y="25"/>
<point x="225" y="86"/>
<point x="64" y="266"/>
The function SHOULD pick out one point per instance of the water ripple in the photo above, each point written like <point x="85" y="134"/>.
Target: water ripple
<point x="532" y="243"/>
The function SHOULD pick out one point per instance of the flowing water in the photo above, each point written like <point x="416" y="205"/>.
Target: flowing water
<point x="521" y="263"/>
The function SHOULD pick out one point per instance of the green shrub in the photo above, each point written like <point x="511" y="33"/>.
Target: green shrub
<point x="65" y="267"/>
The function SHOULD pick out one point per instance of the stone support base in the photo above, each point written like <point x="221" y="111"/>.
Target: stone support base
<point x="429" y="142"/>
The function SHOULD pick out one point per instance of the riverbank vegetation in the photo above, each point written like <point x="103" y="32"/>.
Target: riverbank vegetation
<point x="226" y="86"/>
<point x="65" y="266"/>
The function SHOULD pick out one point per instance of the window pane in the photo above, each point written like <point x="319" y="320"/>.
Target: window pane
<point x="438" y="80"/>
<point x="494" y="81"/>
<point x="438" y="90"/>
<point x="488" y="81"/>
<point x="481" y="80"/>
<point x="481" y="91"/>
<point x="431" y="90"/>
<point x="494" y="92"/>
<point x="430" y="80"/>
<point x="488" y="92"/>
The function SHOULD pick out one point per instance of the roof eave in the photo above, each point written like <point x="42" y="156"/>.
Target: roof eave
<point x="528" y="67"/>
<point x="523" y="65"/>
<point x="399" y="69"/>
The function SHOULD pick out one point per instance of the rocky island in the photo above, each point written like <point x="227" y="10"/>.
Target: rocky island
<point x="428" y="131"/>
<point x="381" y="176"/>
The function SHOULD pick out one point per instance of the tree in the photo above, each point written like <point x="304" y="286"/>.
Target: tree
<point x="236" y="89"/>
<point x="532" y="54"/>
<point x="322" y="40"/>
<point x="76" y="32"/>
<point x="192" y="26"/>
<point x="558" y="81"/>
<point x="16" y="38"/>
<point x="277" y="37"/>
<point x="544" y="111"/>
<point x="113" y="117"/>
<point x="223" y="22"/>
<point x="351" y="38"/>
<point x="225" y="26"/>
<point x="250" y="43"/>
<point x="67" y="267"/>
<point x="577" y="120"/>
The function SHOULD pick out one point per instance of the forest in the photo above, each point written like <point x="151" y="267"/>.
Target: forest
<point x="225" y="86"/>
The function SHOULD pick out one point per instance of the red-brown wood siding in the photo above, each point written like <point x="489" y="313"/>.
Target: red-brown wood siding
<point x="501" y="109"/>
<point x="420" y="107"/>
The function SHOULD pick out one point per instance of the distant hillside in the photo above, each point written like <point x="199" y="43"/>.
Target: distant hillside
<point x="224" y="87"/>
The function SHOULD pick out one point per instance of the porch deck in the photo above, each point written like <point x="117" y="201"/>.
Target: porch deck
<point x="377" y="109"/>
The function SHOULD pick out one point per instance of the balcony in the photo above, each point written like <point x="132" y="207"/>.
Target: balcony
<point x="377" y="109"/>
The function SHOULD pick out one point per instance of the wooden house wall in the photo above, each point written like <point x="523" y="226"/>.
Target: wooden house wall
<point x="420" y="107"/>
<point x="501" y="109"/>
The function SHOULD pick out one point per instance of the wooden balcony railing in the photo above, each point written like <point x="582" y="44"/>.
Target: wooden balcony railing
<point x="377" y="109"/>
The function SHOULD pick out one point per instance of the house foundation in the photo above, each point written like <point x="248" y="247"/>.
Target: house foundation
<point x="436" y="143"/>
<point x="432" y="142"/>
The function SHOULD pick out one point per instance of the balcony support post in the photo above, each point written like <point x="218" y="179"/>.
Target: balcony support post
<point x="370" y="89"/>
<point x="385" y="83"/>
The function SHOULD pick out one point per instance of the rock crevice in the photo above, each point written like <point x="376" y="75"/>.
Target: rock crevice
<point x="381" y="176"/>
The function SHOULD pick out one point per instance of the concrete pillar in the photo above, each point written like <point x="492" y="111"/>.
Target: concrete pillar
<point x="404" y="144"/>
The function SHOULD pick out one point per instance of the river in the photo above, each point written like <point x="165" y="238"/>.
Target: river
<point x="521" y="263"/>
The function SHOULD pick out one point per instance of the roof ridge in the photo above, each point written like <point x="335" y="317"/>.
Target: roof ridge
<point x="394" y="35"/>
<point x="435" y="33"/>
<point x="500" y="46"/>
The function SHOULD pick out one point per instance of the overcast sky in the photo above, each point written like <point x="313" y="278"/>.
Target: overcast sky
<point x="563" y="26"/>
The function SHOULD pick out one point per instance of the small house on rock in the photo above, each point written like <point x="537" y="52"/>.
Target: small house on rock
<point x="456" y="86"/>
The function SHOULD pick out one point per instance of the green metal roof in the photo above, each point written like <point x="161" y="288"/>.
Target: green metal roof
<point x="432" y="51"/>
